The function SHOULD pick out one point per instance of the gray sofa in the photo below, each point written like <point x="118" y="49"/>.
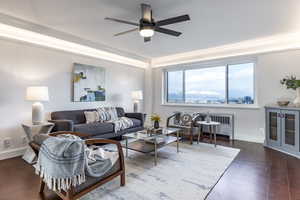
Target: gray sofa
<point x="74" y="120"/>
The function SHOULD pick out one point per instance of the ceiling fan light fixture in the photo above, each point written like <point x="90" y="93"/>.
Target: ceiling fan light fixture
<point x="146" y="32"/>
<point x="147" y="25"/>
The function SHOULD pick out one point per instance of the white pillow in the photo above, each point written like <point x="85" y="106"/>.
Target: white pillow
<point x="91" y="116"/>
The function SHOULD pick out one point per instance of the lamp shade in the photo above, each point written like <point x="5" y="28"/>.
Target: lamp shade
<point x="37" y="93"/>
<point x="137" y="95"/>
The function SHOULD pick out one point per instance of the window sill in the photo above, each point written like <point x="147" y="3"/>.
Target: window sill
<point x="224" y="106"/>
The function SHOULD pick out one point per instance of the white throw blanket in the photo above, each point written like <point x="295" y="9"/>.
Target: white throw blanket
<point x="64" y="161"/>
<point x="109" y="114"/>
<point x="122" y="123"/>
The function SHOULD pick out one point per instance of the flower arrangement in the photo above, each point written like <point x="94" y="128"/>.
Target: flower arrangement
<point x="290" y="82"/>
<point x="155" y="117"/>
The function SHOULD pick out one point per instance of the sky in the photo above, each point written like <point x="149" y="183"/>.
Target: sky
<point x="211" y="81"/>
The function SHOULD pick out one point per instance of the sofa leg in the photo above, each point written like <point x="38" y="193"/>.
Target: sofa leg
<point x="122" y="176"/>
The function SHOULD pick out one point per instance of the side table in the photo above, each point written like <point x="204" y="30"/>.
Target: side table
<point x="30" y="131"/>
<point x="212" y="127"/>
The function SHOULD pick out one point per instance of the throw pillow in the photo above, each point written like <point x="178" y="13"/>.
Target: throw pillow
<point x="91" y="116"/>
<point x="103" y="114"/>
<point x="113" y="113"/>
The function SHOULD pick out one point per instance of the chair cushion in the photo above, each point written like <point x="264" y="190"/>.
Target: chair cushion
<point x="96" y="128"/>
<point x="93" y="180"/>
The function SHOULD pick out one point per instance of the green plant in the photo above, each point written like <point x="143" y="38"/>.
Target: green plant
<point x="155" y="117"/>
<point x="290" y="82"/>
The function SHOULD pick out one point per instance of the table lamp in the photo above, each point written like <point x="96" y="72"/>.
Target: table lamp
<point x="37" y="94"/>
<point x="137" y="96"/>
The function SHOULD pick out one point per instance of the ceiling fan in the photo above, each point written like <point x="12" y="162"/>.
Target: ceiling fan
<point x="147" y="25"/>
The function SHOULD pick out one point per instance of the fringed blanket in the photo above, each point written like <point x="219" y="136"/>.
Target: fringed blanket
<point x="109" y="114"/>
<point x="64" y="161"/>
<point x="122" y="123"/>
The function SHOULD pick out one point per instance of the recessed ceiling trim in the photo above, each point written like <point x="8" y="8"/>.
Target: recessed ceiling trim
<point x="270" y="44"/>
<point x="11" y="32"/>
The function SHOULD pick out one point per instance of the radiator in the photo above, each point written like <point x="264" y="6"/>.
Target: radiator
<point x="227" y="123"/>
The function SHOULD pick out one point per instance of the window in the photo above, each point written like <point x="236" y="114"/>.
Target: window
<point x="227" y="84"/>
<point x="241" y="84"/>
<point x="205" y="85"/>
<point x="175" y="87"/>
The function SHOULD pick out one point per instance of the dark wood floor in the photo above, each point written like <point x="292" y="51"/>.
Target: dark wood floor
<point x="257" y="173"/>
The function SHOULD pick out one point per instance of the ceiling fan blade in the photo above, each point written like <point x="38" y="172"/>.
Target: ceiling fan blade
<point x="146" y="13"/>
<point x="173" y="20"/>
<point x="147" y="39"/>
<point x="121" y="21"/>
<point x="124" y="32"/>
<point x="167" y="31"/>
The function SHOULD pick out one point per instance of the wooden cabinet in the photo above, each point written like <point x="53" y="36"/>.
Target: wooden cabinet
<point x="282" y="129"/>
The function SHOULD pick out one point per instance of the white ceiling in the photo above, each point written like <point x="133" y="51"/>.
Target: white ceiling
<point x="213" y="22"/>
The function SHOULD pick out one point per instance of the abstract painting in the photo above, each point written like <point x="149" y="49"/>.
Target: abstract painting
<point x="88" y="83"/>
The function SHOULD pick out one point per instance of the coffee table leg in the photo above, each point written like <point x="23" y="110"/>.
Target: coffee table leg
<point x="126" y="147"/>
<point x="210" y="133"/>
<point x="199" y="133"/>
<point x="177" y="134"/>
<point x="215" y="131"/>
<point x="155" y="152"/>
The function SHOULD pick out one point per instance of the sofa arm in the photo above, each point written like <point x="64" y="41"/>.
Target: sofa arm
<point x="140" y="116"/>
<point x="62" y="125"/>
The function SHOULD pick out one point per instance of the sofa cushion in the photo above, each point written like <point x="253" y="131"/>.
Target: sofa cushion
<point x="93" y="180"/>
<point x="96" y="128"/>
<point x="136" y="122"/>
<point x="77" y="116"/>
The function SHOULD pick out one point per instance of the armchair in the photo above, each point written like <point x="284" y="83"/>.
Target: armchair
<point x="91" y="183"/>
<point x="183" y="121"/>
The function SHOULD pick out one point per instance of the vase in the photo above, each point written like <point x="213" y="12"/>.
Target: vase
<point x="156" y="124"/>
<point x="297" y="100"/>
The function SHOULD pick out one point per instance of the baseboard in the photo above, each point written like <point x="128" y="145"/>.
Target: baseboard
<point x="255" y="140"/>
<point x="12" y="153"/>
<point x="282" y="151"/>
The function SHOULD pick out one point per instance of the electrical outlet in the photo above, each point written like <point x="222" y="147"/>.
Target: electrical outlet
<point x="7" y="143"/>
<point x="24" y="140"/>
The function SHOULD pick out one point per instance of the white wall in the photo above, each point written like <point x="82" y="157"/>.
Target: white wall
<point x="23" y="65"/>
<point x="248" y="122"/>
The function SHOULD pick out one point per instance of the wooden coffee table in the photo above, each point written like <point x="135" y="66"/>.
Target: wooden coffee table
<point x="144" y="142"/>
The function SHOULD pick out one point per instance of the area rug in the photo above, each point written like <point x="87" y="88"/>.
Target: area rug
<point x="189" y="174"/>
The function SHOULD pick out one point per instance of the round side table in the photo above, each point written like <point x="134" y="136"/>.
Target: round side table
<point x="212" y="127"/>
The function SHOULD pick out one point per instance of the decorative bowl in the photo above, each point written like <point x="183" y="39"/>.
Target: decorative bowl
<point x="283" y="103"/>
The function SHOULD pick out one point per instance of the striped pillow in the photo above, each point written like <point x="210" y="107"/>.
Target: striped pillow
<point x="113" y="113"/>
<point x="103" y="114"/>
<point x="107" y="114"/>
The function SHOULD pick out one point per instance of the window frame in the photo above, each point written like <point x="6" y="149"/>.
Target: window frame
<point x="201" y="65"/>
